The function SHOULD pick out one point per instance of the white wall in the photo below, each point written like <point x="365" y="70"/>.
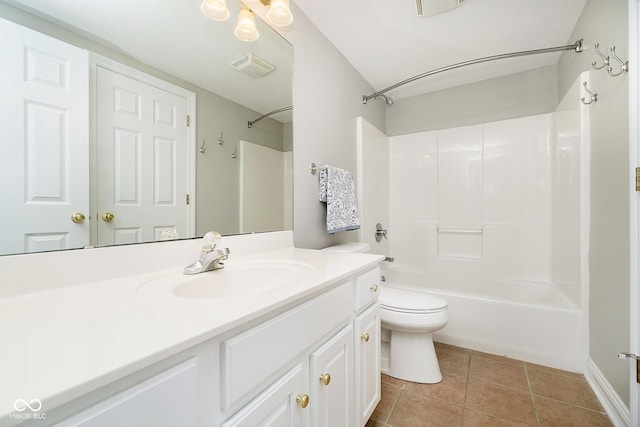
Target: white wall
<point x="327" y="98"/>
<point x="517" y="95"/>
<point x="605" y="21"/>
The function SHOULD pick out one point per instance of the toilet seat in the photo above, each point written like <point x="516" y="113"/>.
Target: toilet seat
<point x="407" y="301"/>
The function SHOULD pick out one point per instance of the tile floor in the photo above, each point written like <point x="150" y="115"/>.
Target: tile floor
<point x="480" y="389"/>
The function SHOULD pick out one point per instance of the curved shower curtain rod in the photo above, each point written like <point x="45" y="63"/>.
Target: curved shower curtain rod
<point x="270" y="113"/>
<point x="577" y="47"/>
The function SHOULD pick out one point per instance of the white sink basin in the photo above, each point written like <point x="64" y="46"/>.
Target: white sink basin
<point x="237" y="278"/>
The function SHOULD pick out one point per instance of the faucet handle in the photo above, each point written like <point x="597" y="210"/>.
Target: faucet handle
<point x="210" y="241"/>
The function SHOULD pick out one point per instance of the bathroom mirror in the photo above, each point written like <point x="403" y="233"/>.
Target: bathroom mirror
<point x="172" y="42"/>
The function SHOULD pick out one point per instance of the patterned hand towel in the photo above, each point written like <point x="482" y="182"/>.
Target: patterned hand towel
<point x="337" y="190"/>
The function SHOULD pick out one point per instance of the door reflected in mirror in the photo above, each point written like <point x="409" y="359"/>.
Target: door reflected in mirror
<point x="138" y="123"/>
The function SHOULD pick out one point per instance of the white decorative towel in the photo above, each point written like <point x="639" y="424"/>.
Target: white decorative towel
<point x="337" y="190"/>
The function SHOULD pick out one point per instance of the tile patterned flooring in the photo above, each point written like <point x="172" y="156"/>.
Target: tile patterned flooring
<point x="480" y="389"/>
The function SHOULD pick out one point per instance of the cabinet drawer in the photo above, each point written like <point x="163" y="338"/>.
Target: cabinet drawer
<point x="249" y="358"/>
<point x="366" y="289"/>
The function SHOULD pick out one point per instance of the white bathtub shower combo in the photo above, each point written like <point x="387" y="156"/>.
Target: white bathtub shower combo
<point x="493" y="219"/>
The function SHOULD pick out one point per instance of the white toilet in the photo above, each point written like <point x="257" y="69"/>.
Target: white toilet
<point x="409" y="319"/>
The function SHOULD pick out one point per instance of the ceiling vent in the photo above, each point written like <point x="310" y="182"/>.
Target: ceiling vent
<point x="434" y="7"/>
<point x="253" y="66"/>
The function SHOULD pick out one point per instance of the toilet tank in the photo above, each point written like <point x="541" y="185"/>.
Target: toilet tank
<point x="355" y="247"/>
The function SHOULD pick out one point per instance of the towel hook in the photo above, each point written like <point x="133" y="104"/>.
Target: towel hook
<point x="593" y="96"/>
<point x="605" y="59"/>
<point x="235" y="153"/>
<point x="202" y="147"/>
<point x="624" y="66"/>
<point x="220" y="140"/>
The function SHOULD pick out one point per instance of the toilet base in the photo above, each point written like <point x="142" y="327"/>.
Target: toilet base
<point x="412" y="357"/>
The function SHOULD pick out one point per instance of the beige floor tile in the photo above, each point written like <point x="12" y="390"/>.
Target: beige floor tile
<point x="501" y="402"/>
<point x="389" y="397"/>
<point x="453" y="362"/>
<point x="391" y="380"/>
<point x="374" y="423"/>
<point x="416" y="410"/>
<point x="554" y="413"/>
<point x="552" y="371"/>
<point x="499" y="370"/>
<point x="568" y="389"/>
<point x="473" y="418"/>
<point x="451" y="388"/>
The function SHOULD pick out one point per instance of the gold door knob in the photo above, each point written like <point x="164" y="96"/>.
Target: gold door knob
<point x="325" y="378"/>
<point x="365" y="337"/>
<point x="303" y="400"/>
<point x="108" y="217"/>
<point x="374" y="288"/>
<point x="78" y="218"/>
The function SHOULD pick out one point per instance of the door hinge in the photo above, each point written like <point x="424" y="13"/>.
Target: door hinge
<point x="636" y="358"/>
<point x="188" y="120"/>
<point x="187" y="199"/>
<point x="637" y="179"/>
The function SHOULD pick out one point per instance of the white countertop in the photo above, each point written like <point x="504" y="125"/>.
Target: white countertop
<point x="60" y="344"/>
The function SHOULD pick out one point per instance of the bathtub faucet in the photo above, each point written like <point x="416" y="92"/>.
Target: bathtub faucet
<point x="389" y="259"/>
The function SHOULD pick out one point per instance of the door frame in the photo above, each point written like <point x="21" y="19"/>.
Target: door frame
<point x="634" y="205"/>
<point x="95" y="61"/>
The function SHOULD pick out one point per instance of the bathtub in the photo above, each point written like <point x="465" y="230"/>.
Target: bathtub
<point x="534" y="322"/>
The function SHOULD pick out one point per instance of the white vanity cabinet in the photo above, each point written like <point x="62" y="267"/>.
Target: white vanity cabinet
<point x="367" y="345"/>
<point x="335" y="382"/>
<point x="314" y="364"/>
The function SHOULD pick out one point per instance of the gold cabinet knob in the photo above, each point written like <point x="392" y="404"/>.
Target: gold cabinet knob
<point x="78" y="218"/>
<point x="108" y="217"/>
<point x="373" y="288"/>
<point x="325" y="378"/>
<point x="303" y="400"/>
<point x="365" y="337"/>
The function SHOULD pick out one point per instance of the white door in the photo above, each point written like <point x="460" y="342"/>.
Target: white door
<point x="143" y="161"/>
<point x="44" y="154"/>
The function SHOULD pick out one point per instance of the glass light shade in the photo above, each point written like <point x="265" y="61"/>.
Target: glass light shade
<point x="279" y="13"/>
<point x="246" y="29"/>
<point x="215" y="9"/>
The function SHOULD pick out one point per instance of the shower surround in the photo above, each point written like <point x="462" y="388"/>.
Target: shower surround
<point x="494" y="218"/>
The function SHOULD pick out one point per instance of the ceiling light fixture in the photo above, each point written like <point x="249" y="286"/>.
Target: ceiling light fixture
<point x="246" y="29"/>
<point x="279" y="12"/>
<point x="215" y="9"/>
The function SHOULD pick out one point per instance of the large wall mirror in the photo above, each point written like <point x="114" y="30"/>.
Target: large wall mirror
<point x="128" y="121"/>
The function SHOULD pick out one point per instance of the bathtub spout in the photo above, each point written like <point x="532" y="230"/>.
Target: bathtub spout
<point x="389" y="259"/>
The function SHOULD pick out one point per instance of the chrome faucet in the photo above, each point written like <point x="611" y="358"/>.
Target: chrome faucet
<point x="210" y="257"/>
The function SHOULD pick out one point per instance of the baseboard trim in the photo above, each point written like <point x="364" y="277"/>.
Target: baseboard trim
<point x="616" y="409"/>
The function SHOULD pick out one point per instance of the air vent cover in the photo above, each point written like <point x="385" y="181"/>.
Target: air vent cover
<point x="253" y="66"/>
<point x="434" y="7"/>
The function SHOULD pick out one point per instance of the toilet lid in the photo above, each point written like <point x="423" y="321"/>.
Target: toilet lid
<point x="410" y="301"/>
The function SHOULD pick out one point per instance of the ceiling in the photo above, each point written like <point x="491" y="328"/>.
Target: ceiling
<point x="175" y="37"/>
<point x="387" y="42"/>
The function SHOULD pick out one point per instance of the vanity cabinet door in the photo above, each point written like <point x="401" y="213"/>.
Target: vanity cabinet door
<point x="278" y="406"/>
<point x="331" y="381"/>
<point x="166" y="399"/>
<point x="367" y="363"/>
